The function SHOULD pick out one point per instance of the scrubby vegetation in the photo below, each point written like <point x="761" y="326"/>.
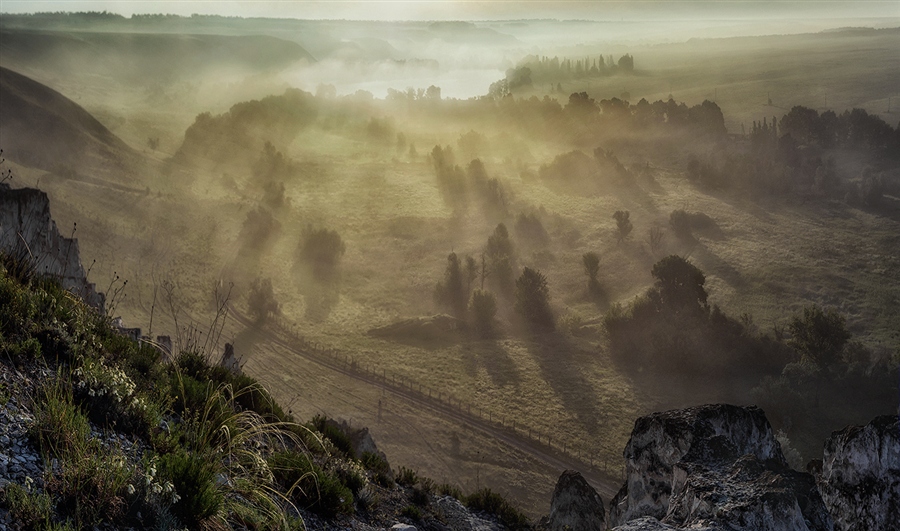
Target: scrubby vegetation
<point x="806" y="378"/>
<point x="209" y="447"/>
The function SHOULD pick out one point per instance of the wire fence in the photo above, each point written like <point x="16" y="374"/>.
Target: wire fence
<point x="595" y="458"/>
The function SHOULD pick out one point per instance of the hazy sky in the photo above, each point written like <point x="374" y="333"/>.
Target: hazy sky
<point x="480" y="9"/>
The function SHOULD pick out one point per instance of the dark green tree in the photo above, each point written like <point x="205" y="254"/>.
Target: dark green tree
<point x="482" y="309"/>
<point x="261" y="301"/>
<point x="623" y="224"/>
<point x="451" y="293"/>
<point x="321" y="251"/>
<point x="500" y="257"/>
<point x="819" y="336"/>
<point x="471" y="272"/>
<point x="533" y="300"/>
<point x="680" y="285"/>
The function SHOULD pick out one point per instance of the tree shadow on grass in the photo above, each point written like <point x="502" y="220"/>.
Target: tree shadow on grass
<point x="245" y="342"/>
<point x="560" y="361"/>
<point x="494" y="358"/>
<point x="712" y="264"/>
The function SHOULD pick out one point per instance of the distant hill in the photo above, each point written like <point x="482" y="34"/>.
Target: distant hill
<point x="145" y="57"/>
<point x="40" y="127"/>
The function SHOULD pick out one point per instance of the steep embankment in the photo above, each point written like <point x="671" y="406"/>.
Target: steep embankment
<point x="42" y="128"/>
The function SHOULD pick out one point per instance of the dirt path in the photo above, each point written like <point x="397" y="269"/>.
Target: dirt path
<point x="556" y="458"/>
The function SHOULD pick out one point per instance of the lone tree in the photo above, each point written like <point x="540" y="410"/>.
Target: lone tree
<point x="261" y="301"/>
<point x="591" y="268"/>
<point x="482" y="309"/>
<point x="501" y="258"/>
<point x="321" y="251"/>
<point x="451" y="293"/>
<point x="680" y="284"/>
<point x="623" y="224"/>
<point x="533" y="300"/>
<point x="819" y="336"/>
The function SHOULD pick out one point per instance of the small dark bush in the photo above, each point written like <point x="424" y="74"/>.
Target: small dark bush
<point x="350" y="478"/>
<point x="334" y="434"/>
<point x="407" y="477"/>
<point x="446" y="489"/>
<point x="313" y="488"/>
<point x="379" y="467"/>
<point x="412" y="512"/>
<point x="27" y="509"/>
<point x="419" y="496"/>
<point x="194" y="478"/>
<point x="491" y="502"/>
<point x="192" y="364"/>
<point x="59" y="425"/>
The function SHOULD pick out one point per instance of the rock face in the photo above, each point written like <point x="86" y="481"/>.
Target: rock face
<point x="27" y="231"/>
<point x="860" y="479"/>
<point x="714" y="466"/>
<point x="576" y="505"/>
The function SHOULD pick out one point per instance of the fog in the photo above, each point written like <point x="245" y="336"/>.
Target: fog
<point x="562" y="216"/>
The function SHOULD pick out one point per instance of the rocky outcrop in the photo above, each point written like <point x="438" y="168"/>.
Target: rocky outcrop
<point x="576" y="505"/>
<point x="712" y="466"/>
<point x="27" y="232"/>
<point x="648" y="523"/>
<point x="458" y="518"/>
<point x="860" y="479"/>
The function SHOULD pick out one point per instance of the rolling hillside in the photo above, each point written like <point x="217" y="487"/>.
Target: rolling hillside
<point x="44" y="129"/>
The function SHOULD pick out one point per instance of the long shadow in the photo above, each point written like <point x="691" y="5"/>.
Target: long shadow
<point x="559" y="363"/>
<point x="245" y="342"/>
<point x="493" y="356"/>
<point x="710" y="263"/>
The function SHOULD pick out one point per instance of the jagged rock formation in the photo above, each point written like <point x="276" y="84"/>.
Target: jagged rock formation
<point x="714" y="466"/>
<point x="576" y="505"/>
<point x="28" y="232"/>
<point x="860" y="479"/>
<point x="648" y="523"/>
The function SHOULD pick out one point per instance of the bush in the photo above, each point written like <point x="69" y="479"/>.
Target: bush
<point x="309" y="486"/>
<point x="623" y="225"/>
<point x="261" y="302"/>
<point x="491" y="502"/>
<point x="194" y="478"/>
<point x="379" y="467"/>
<point x="407" y="477"/>
<point x="412" y="512"/>
<point x="92" y="485"/>
<point x="349" y="473"/>
<point x="446" y="489"/>
<point x="192" y="363"/>
<point x="59" y="425"/>
<point x="333" y="433"/>
<point x="27" y="507"/>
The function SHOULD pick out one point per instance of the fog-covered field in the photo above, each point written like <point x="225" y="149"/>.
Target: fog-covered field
<point x="342" y="162"/>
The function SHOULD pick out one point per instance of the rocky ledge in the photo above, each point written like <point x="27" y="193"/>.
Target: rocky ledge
<point x="860" y="480"/>
<point x="715" y="466"/>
